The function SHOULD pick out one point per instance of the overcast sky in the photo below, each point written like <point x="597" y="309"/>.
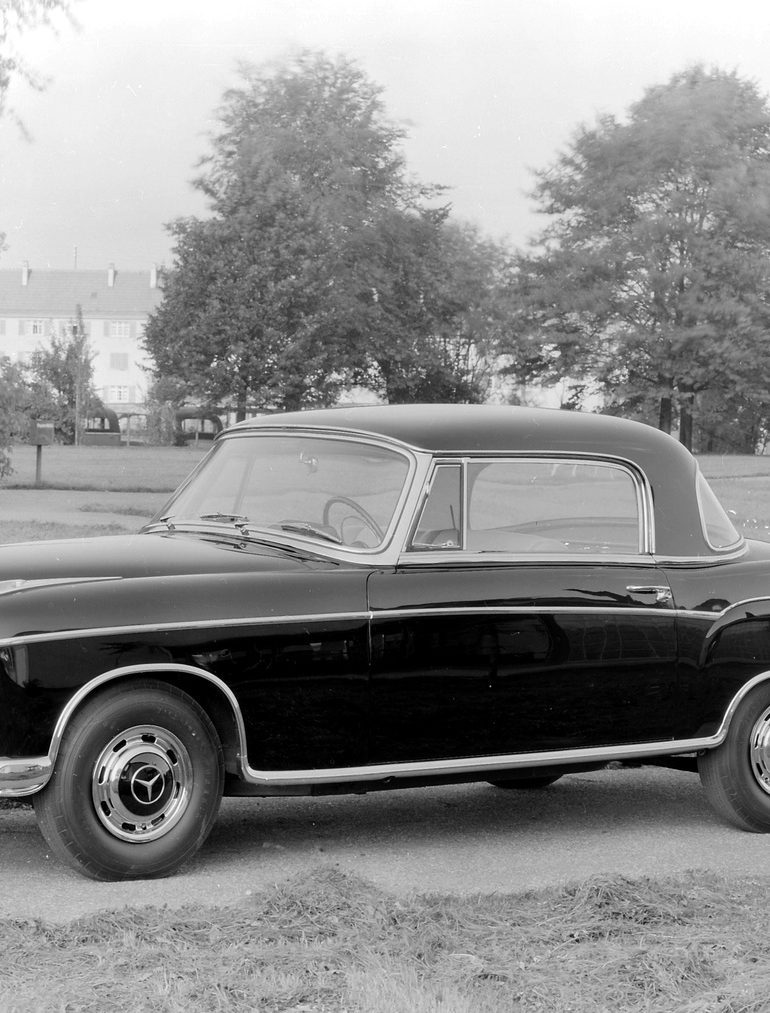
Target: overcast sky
<point x="487" y="89"/>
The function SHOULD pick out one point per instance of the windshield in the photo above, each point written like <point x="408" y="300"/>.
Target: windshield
<point x="331" y="490"/>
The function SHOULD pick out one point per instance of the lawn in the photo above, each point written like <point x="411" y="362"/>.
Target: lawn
<point x="328" y="942"/>
<point x="139" y="469"/>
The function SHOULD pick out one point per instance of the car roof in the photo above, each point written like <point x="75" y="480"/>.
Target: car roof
<point x="463" y="428"/>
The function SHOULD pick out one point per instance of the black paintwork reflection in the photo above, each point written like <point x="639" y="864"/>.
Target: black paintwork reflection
<point x="457" y="683"/>
<point x="717" y="655"/>
<point x="302" y="687"/>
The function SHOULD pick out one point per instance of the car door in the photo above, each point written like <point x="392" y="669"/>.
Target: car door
<point x="526" y="614"/>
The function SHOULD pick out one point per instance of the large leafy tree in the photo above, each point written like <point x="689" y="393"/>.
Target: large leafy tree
<point x="653" y="277"/>
<point x="321" y="263"/>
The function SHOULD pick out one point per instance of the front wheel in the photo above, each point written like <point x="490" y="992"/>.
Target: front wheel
<point x="736" y="775"/>
<point x="136" y="785"/>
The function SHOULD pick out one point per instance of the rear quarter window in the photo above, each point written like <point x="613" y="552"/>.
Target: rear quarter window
<point x="717" y="527"/>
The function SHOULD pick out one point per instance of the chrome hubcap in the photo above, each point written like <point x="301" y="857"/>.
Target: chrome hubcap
<point x="141" y="783"/>
<point x="760" y="750"/>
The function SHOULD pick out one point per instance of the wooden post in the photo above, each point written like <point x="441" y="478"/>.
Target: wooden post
<point x="42" y="435"/>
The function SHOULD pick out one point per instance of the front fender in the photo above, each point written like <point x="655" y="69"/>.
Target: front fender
<point x="27" y="775"/>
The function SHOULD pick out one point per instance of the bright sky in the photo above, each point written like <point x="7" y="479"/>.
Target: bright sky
<point x="488" y="90"/>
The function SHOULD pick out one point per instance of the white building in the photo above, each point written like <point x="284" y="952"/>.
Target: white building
<point x="115" y="305"/>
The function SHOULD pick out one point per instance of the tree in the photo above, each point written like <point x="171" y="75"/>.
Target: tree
<point x="321" y="263"/>
<point x="59" y="382"/>
<point x="653" y="277"/>
<point x="12" y="423"/>
<point x="438" y="309"/>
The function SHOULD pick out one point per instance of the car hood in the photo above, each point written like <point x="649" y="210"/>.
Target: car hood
<point x="132" y="581"/>
<point x="146" y="555"/>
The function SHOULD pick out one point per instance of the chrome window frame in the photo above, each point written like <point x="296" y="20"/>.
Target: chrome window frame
<point x="644" y="502"/>
<point x="384" y="554"/>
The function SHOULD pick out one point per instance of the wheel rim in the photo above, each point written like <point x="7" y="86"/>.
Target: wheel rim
<point x="760" y="750"/>
<point x="141" y="783"/>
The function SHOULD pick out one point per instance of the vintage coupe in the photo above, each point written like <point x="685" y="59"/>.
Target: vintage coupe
<point x="355" y="599"/>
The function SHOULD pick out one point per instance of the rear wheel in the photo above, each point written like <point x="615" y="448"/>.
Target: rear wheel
<point x="736" y="775"/>
<point x="136" y="785"/>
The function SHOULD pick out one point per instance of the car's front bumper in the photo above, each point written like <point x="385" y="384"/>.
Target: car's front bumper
<point x="23" y="775"/>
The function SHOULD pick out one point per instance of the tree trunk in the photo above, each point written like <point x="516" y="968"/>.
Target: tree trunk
<point x="685" y="425"/>
<point x="665" y="416"/>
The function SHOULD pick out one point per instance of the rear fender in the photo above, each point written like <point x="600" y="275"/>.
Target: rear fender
<point x="742" y="612"/>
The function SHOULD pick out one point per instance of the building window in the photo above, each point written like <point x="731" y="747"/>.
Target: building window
<point x="119" y="361"/>
<point x="119" y="329"/>
<point x="37" y="328"/>
<point x="119" y="394"/>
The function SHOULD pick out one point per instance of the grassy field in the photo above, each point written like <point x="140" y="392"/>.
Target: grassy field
<point x="139" y="469"/>
<point x="331" y="943"/>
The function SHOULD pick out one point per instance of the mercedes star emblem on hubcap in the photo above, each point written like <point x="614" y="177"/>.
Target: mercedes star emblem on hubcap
<point x="147" y="785"/>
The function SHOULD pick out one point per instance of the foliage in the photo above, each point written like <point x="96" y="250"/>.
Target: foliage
<point x="437" y="311"/>
<point x="59" y="380"/>
<point x="653" y="276"/>
<point x="321" y="264"/>
<point x="17" y="17"/>
<point x="11" y="417"/>
<point x="327" y="940"/>
<point x="165" y="395"/>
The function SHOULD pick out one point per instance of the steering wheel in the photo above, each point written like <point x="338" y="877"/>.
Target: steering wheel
<point x="357" y="509"/>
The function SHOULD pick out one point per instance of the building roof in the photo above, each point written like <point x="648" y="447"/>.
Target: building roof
<point x="59" y="293"/>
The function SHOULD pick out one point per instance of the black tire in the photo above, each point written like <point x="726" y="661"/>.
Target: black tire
<point x="527" y="783"/>
<point x="736" y="775"/>
<point x="136" y="786"/>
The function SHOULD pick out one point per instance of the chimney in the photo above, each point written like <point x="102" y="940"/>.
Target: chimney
<point x="111" y="276"/>
<point x="154" y="276"/>
<point x="25" y="273"/>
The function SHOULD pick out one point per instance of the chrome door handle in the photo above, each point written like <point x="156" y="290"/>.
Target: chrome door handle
<point x="663" y="595"/>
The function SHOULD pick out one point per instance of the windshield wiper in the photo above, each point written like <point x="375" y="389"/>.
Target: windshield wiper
<point x="236" y="519"/>
<point x="306" y="528"/>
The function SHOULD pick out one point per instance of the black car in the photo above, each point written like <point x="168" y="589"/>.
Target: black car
<point x="356" y="599"/>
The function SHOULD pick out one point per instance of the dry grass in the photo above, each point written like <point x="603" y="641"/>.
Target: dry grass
<point x="327" y="942"/>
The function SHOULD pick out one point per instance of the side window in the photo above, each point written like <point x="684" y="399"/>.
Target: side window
<point x="719" y="529"/>
<point x="440" y="523"/>
<point x="551" y="506"/>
